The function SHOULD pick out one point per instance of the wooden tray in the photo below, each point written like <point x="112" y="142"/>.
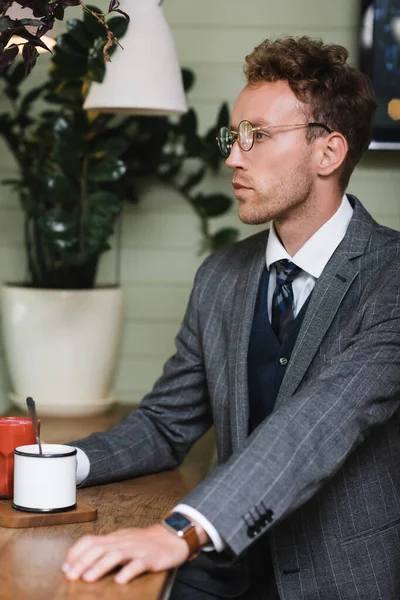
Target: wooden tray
<point x="9" y="517"/>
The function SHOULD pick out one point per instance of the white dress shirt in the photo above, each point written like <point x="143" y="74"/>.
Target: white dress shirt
<point x="312" y="258"/>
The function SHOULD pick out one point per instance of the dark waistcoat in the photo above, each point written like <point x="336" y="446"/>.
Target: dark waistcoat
<point x="267" y="358"/>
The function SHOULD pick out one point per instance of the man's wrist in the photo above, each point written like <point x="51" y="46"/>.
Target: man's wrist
<point x="204" y="538"/>
<point x="217" y="543"/>
<point x="188" y="530"/>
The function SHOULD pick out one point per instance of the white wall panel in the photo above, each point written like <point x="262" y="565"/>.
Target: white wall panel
<point x="220" y="46"/>
<point x="148" y="338"/>
<point x="156" y="302"/>
<point x="234" y="14"/>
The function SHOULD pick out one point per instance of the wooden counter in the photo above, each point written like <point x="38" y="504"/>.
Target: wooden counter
<point x="31" y="558"/>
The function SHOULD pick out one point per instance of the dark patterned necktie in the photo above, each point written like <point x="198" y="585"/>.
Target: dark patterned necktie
<point x="282" y="300"/>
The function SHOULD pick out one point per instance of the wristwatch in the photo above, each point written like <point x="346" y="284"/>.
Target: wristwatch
<point x="185" y="529"/>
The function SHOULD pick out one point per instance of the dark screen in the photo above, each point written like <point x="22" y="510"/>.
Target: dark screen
<point x="380" y="59"/>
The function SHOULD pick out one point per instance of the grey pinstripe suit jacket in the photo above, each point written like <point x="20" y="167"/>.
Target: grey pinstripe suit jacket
<point x="326" y="463"/>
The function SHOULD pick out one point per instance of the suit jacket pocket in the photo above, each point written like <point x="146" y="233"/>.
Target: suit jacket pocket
<point x="367" y="533"/>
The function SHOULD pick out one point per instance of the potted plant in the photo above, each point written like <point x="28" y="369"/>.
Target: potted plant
<point x="76" y="169"/>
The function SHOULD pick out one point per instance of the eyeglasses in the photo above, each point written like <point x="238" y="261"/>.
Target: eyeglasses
<point x="245" y="134"/>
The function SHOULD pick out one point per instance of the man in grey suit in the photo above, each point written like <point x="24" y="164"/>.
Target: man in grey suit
<point x="290" y="347"/>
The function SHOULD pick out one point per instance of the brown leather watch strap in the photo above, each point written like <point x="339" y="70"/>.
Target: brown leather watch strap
<point x="192" y="539"/>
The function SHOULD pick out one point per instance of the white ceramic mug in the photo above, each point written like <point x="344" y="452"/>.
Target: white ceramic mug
<point x="44" y="482"/>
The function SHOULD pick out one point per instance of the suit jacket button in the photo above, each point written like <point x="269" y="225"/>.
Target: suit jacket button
<point x="251" y="532"/>
<point x="283" y="361"/>
<point x="269" y="516"/>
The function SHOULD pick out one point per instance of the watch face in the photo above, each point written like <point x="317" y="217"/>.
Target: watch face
<point x="178" y="522"/>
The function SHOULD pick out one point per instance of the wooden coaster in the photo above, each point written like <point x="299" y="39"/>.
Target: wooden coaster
<point x="9" y="517"/>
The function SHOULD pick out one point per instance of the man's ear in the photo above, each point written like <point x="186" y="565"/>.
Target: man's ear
<point x="333" y="151"/>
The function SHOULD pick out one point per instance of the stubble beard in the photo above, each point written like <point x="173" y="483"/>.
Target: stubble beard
<point x="289" y="195"/>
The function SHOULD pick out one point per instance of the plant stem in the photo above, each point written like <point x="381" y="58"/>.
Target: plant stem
<point x="29" y="251"/>
<point x="111" y="38"/>
<point x="83" y="211"/>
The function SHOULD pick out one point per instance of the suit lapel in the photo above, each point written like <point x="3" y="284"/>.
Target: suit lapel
<point x="327" y="297"/>
<point x="249" y="275"/>
<point x="325" y="301"/>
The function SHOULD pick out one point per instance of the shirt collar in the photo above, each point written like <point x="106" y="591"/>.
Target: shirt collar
<point x="314" y="255"/>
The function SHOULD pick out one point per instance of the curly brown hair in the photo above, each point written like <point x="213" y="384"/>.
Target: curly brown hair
<point x="336" y="93"/>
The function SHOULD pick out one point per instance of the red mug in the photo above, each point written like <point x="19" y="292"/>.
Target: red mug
<point x="14" y="432"/>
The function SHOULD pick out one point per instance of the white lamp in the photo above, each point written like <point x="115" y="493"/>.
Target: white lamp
<point x="144" y="76"/>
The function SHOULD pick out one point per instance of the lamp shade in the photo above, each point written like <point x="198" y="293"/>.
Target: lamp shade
<point x="143" y="77"/>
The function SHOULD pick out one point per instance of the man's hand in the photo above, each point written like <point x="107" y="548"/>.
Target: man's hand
<point x="138" y="550"/>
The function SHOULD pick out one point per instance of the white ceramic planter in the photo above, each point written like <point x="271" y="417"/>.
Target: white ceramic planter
<point x="61" y="347"/>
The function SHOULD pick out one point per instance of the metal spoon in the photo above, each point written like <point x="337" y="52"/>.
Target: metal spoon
<point x="32" y="412"/>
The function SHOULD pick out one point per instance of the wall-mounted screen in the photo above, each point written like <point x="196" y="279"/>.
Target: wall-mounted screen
<point x="380" y="59"/>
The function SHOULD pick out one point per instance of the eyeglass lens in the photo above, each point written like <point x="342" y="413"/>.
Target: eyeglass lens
<point x="225" y="141"/>
<point x="245" y="136"/>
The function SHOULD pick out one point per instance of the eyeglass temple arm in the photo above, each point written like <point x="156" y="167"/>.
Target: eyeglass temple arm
<point x="328" y="129"/>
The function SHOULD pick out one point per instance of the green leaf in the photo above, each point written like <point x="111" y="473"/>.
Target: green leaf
<point x="6" y="23"/>
<point x="67" y="67"/>
<point x="80" y="33"/>
<point x="104" y="203"/>
<point x="227" y="235"/>
<point x="222" y="121"/>
<point x="98" y="229"/>
<point x="195" y="147"/>
<point x="33" y="22"/>
<point x="97" y="67"/>
<point x="67" y="158"/>
<point x="67" y="44"/>
<point x="61" y="188"/>
<point x="67" y="148"/>
<point x="17" y="74"/>
<point x="113" y="146"/>
<point x="107" y="169"/>
<point x="212" y="205"/>
<point x="213" y="156"/>
<point x="98" y="225"/>
<point x="62" y="128"/>
<point x="29" y="98"/>
<point x="188" y="123"/>
<point x="112" y="49"/>
<point x="168" y="171"/>
<point x="10" y="181"/>
<point x="69" y="93"/>
<point x="223" y="116"/>
<point x="7" y="56"/>
<point x="118" y="26"/>
<point x="59" y="229"/>
<point x="188" y="78"/>
<point x="95" y="28"/>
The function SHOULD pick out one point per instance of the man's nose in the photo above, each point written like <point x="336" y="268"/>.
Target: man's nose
<point x="236" y="158"/>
